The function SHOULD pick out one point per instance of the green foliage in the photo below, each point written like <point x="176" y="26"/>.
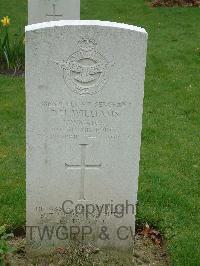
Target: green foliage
<point x="11" y="49"/>
<point x="5" y="248"/>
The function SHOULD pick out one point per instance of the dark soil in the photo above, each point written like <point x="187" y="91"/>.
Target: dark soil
<point x="11" y="72"/>
<point x="145" y="253"/>
<point x="171" y="3"/>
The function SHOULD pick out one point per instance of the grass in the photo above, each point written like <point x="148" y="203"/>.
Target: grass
<point x="12" y="151"/>
<point x="169" y="170"/>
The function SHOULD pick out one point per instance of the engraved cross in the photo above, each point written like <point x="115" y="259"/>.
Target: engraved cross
<point x="83" y="167"/>
<point x="54" y="15"/>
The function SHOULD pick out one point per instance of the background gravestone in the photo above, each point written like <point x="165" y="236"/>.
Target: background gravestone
<point x="84" y="98"/>
<point x="49" y="10"/>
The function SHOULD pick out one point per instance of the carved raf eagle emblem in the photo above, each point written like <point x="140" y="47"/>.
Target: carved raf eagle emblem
<point x="85" y="71"/>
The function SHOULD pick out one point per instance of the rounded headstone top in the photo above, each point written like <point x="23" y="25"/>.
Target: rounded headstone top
<point x="62" y="23"/>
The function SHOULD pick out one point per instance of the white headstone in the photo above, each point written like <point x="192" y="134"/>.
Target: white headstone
<point x="84" y="102"/>
<point x="50" y="10"/>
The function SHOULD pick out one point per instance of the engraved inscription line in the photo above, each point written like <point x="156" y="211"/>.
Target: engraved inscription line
<point x="83" y="166"/>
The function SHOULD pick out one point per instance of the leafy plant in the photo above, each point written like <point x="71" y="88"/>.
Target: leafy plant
<point x="11" y="49"/>
<point x="5" y="248"/>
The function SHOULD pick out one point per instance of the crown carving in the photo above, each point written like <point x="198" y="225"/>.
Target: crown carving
<point x="87" y="45"/>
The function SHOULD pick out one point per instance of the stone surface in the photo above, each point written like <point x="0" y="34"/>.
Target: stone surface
<point x="50" y="10"/>
<point x="84" y="99"/>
